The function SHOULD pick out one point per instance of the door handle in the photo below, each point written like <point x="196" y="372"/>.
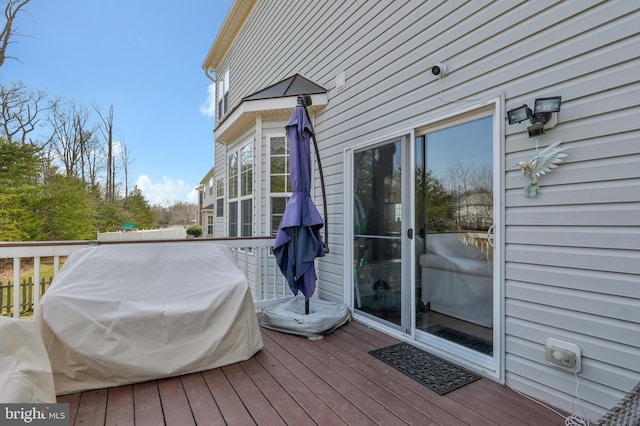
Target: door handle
<point x="410" y="233"/>
<point x="490" y="235"/>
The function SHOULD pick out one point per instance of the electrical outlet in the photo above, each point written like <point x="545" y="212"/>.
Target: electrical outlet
<point x="563" y="355"/>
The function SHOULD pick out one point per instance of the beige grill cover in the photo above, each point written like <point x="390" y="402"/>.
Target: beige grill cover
<point x="119" y="314"/>
<point x="25" y="372"/>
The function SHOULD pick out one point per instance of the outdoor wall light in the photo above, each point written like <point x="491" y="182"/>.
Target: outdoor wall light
<point x="543" y="109"/>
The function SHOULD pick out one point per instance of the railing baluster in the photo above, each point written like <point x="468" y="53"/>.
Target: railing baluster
<point x="16" y="287"/>
<point x="36" y="282"/>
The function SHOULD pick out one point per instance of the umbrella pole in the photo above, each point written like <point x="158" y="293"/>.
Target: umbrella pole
<point x="295" y="241"/>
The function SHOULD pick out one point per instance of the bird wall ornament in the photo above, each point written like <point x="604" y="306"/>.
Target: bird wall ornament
<point x="541" y="164"/>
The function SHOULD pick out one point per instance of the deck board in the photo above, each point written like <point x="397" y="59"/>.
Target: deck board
<point x="252" y="397"/>
<point x="120" y="408"/>
<point x="301" y="393"/>
<point x="231" y="406"/>
<point x="348" y="396"/>
<point x="296" y="381"/>
<point x="148" y="408"/>
<point x="278" y="397"/>
<point x="175" y="405"/>
<point x="203" y="406"/>
<point x="92" y="408"/>
<point x="427" y="405"/>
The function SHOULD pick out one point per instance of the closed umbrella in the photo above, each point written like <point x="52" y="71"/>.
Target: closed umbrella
<point x="298" y="240"/>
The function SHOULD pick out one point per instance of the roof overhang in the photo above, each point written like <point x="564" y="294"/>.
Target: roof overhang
<point x="244" y="116"/>
<point x="233" y="22"/>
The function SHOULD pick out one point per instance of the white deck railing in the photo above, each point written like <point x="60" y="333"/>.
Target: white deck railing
<point x="253" y="256"/>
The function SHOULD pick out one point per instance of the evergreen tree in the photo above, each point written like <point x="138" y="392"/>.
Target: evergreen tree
<point x="66" y="208"/>
<point x="19" y="165"/>
<point x="138" y="209"/>
<point x="108" y="217"/>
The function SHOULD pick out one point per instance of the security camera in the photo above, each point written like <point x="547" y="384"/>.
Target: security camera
<point x="439" y="69"/>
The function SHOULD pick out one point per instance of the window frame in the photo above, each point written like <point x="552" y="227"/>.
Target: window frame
<point x="210" y="225"/>
<point x="274" y="195"/>
<point x="220" y="197"/>
<point x="222" y="102"/>
<point x="241" y="198"/>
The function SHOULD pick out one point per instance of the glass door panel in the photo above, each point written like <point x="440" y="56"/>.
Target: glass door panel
<point x="454" y="218"/>
<point x="377" y="226"/>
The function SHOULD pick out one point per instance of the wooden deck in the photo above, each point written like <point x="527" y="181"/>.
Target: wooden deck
<point x="296" y="381"/>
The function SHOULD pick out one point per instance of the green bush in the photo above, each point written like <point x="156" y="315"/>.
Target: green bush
<point x="195" y="230"/>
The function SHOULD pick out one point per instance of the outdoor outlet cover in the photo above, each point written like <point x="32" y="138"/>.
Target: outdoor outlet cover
<point x="567" y="356"/>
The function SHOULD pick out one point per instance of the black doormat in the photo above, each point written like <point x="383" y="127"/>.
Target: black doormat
<point x="464" y="339"/>
<point x="435" y="373"/>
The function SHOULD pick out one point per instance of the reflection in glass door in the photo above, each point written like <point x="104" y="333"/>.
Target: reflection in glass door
<point x="377" y="226"/>
<point x="454" y="221"/>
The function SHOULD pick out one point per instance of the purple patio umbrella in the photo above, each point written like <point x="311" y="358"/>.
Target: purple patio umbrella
<point x="298" y="240"/>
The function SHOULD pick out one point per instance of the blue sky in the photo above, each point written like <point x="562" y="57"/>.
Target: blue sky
<point x="144" y="57"/>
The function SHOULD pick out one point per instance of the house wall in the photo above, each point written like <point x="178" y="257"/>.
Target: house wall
<point x="220" y="167"/>
<point x="572" y="255"/>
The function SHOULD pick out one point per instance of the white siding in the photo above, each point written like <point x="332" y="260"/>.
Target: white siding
<point x="219" y="227"/>
<point x="572" y="268"/>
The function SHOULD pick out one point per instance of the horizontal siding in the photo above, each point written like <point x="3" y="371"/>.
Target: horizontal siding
<point x="621" y="261"/>
<point x="578" y="322"/>
<point x="603" y="305"/>
<point x="605" y="237"/>
<point x="623" y="285"/>
<point x="595" y="376"/>
<point x="572" y="266"/>
<point x="613" y="356"/>
<point x="595" y="214"/>
<point x="565" y="383"/>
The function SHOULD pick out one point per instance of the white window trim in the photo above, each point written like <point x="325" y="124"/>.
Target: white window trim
<point x="220" y="183"/>
<point x="223" y="90"/>
<point x="240" y="198"/>
<point x="271" y="195"/>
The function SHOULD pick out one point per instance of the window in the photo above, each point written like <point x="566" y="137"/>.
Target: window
<point x="220" y="198"/>
<point x="223" y="95"/>
<point x="280" y="186"/>
<point x="241" y="192"/>
<point x="211" y="186"/>
<point x="209" y="225"/>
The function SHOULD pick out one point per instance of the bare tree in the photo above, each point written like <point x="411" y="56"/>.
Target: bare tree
<point x="21" y="111"/>
<point x="107" y="133"/>
<point x="9" y="30"/>
<point x="73" y="140"/>
<point x="460" y="182"/>
<point x="126" y="161"/>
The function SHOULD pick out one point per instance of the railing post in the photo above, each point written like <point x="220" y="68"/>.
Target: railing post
<point x="16" y="287"/>
<point x="258" y="272"/>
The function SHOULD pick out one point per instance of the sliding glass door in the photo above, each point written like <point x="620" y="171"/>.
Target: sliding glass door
<point x="454" y="240"/>
<point x="423" y="234"/>
<point x="377" y="243"/>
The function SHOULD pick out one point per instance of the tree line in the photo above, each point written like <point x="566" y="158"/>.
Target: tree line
<point x="63" y="174"/>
